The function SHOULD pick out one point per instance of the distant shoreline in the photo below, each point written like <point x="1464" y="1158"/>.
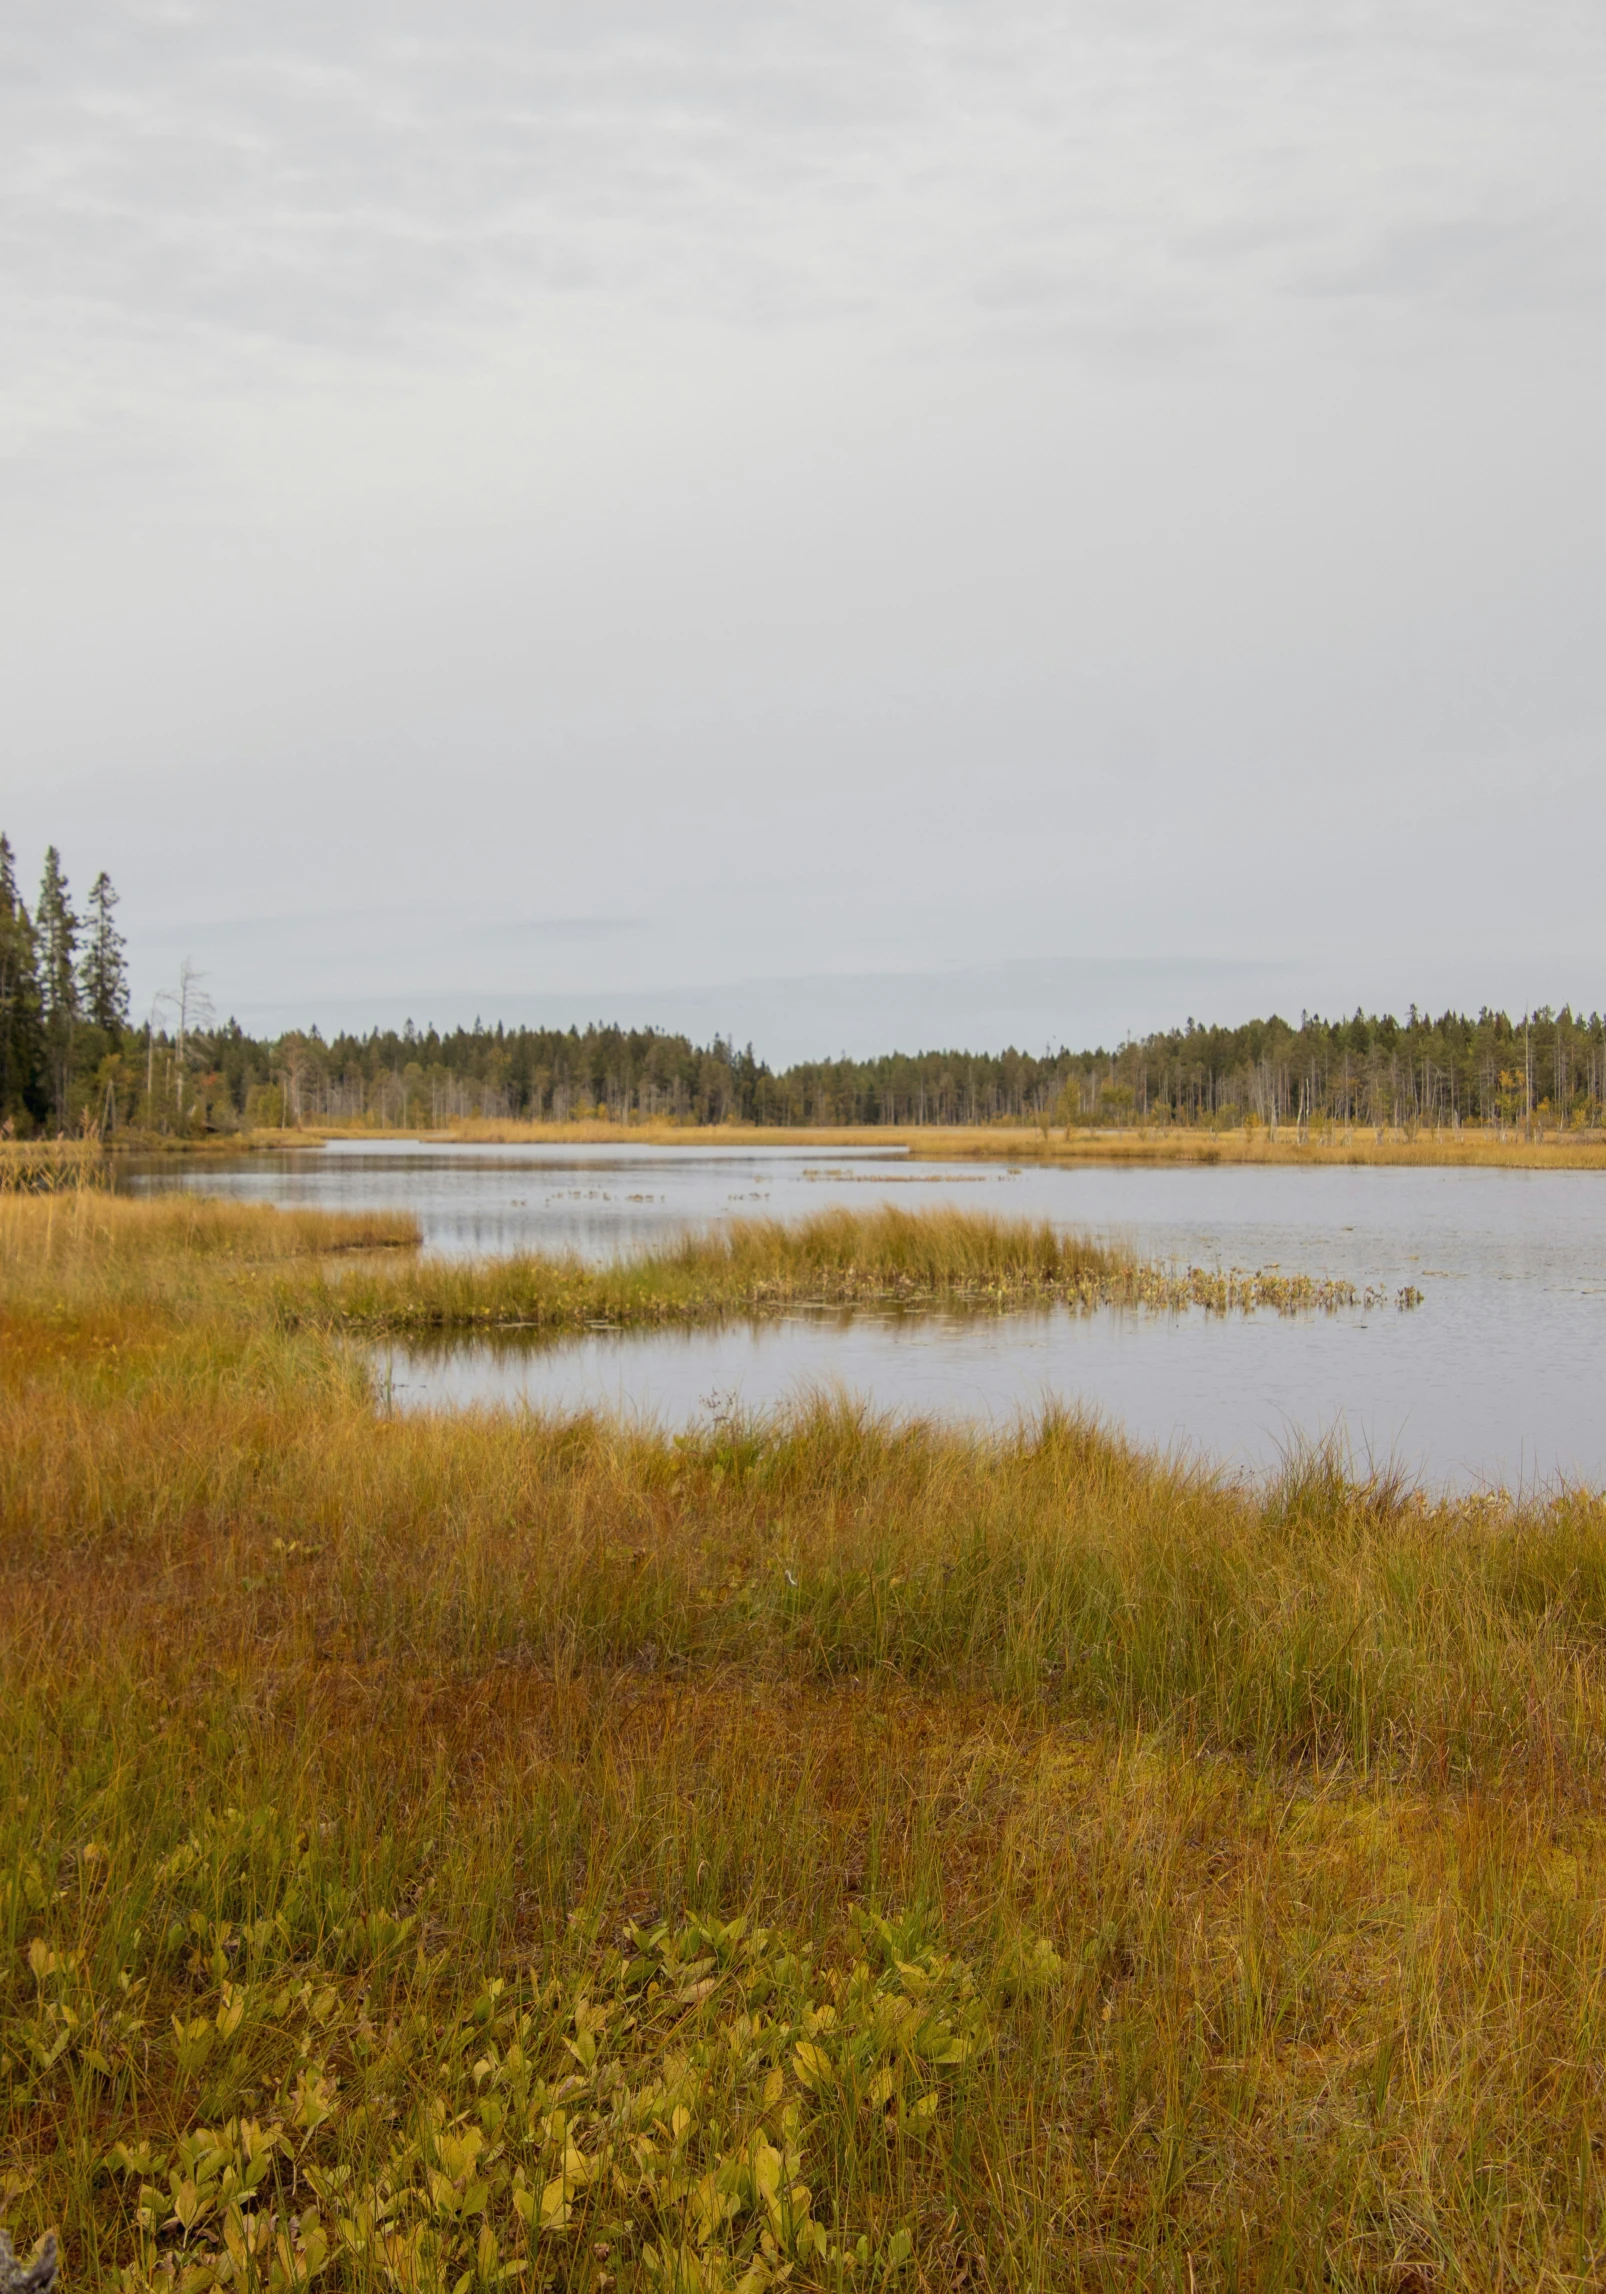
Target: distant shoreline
<point x="1252" y="1147"/>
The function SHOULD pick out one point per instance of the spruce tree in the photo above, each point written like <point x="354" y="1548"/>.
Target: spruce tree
<point x="57" y="932"/>
<point x="21" y="1034"/>
<point x="103" y="969"/>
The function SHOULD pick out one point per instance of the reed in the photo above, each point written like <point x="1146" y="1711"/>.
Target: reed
<point x="51" y="1166"/>
<point x="837" y="1258"/>
<point x="477" y="1850"/>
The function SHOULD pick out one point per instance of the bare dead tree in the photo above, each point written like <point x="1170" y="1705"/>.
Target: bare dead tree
<point x="194" y="1011"/>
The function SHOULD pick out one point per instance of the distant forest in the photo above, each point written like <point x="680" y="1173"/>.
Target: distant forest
<point x="74" y="1058"/>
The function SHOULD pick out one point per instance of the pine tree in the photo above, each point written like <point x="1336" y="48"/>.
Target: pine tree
<point x="103" y="969"/>
<point x="57" y="932"/>
<point x="21" y="1036"/>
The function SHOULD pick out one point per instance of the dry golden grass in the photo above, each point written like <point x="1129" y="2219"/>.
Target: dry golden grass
<point x="1287" y="1147"/>
<point x="50" y="1166"/>
<point x="1146" y="1880"/>
<point x="1321" y="1145"/>
<point x="836" y="1258"/>
<point x="89" y="1249"/>
<point x="75" y="1236"/>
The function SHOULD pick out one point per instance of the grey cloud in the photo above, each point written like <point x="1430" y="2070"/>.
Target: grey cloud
<point x="346" y="175"/>
<point x="872" y="487"/>
<point x="1488" y="262"/>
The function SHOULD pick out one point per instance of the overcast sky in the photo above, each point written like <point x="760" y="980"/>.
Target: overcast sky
<point x="839" y="520"/>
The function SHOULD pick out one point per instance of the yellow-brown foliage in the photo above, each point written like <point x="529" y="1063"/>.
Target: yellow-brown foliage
<point x="879" y="1854"/>
<point x="1253" y="1144"/>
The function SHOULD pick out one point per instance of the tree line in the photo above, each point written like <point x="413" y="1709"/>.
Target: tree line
<point x="72" y="1058"/>
<point x="63" y="995"/>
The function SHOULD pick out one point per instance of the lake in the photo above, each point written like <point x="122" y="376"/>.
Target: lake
<point x="1499" y="1377"/>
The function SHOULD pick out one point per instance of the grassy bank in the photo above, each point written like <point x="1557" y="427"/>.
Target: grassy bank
<point x="1467" y="1148"/>
<point x="1285" y="1148"/>
<point x="50" y="1166"/>
<point x="91" y="1247"/>
<point x="461" y="1852"/>
<point x="837" y="1258"/>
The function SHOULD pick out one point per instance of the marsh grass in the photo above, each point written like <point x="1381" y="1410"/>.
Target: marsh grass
<point x="89" y="1234"/>
<point x="836" y="1258"/>
<point x="81" y="1260"/>
<point x="1320" y="1146"/>
<point x="279" y="1265"/>
<point x="471" y="1851"/>
<point x="1470" y="1147"/>
<point x="51" y="1166"/>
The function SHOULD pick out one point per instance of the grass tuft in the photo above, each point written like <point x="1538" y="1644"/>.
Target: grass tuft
<point x="837" y="1258"/>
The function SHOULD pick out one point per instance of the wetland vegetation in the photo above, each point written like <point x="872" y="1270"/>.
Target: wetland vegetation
<point x="474" y="1851"/>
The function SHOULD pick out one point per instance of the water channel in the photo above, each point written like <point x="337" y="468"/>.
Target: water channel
<point x="1498" y="1378"/>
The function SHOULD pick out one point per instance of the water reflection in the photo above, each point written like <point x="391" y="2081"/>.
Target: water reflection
<point x="1239" y="1391"/>
<point x="1497" y="1377"/>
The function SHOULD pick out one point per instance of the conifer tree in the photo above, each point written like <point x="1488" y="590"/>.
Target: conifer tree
<point x="57" y="934"/>
<point x="103" y="968"/>
<point x="21" y="1036"/>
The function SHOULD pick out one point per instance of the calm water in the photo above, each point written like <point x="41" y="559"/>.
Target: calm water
<point x="1500" y="1376"/>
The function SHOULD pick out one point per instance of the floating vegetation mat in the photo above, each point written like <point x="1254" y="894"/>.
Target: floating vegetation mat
<point x="879" y="1258"/>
